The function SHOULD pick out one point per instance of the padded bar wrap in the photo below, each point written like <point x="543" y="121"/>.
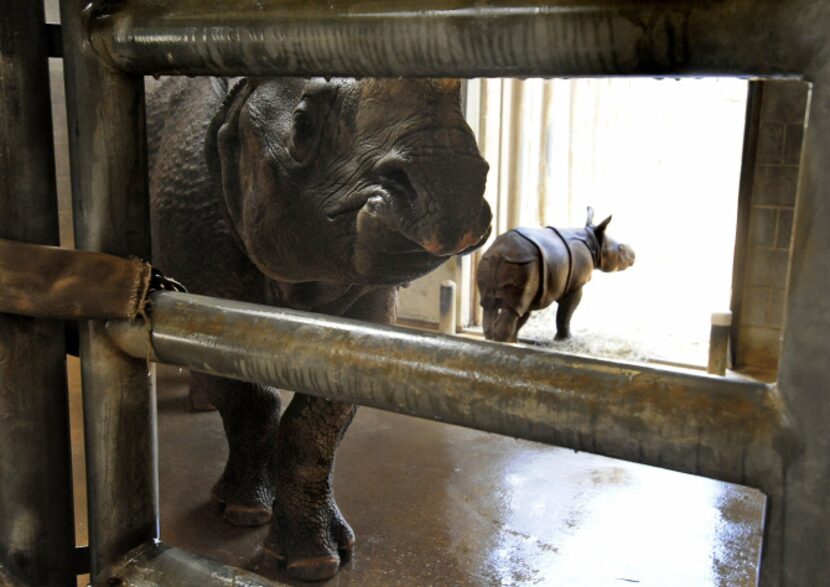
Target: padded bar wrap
<point x="50" y="282"/>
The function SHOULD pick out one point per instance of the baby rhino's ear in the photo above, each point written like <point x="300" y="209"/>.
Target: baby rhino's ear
<point x="590" y="216"/>
<point x="602" y="226"/>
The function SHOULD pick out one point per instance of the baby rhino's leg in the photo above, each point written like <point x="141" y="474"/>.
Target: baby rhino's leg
<point x="564" y="312"/>
<point x="509" y="310"/>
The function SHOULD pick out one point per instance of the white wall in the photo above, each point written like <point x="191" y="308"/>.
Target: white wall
<point x="662" y="156"/>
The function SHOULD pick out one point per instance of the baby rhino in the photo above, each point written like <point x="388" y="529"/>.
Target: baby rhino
<point x="528" y="269"/>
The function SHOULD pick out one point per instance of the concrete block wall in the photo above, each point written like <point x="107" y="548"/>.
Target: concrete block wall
<point x="772" y="202"/>
<point x="418" y="302"/>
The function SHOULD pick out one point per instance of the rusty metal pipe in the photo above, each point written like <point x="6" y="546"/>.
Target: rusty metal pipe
<point x="726" y="429"/>
<point x="105" y="111"/>
<point x="459" y="38"/>
<point x="37" y="534"/>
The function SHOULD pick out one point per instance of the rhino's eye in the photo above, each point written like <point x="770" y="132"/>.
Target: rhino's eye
<point x="302" y="134"/>
<point x="303" y="127"/>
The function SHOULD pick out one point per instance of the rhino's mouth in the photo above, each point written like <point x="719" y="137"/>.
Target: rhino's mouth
<point x="478" y="244"/>
<point x="394" y="185"/>
<point x="348" y="209"/>
<point x="375" y="203"/>
<point x="386" y="206"/>
<point x="354" y="203"/>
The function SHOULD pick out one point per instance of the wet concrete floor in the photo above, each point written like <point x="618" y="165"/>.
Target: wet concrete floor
<point x="433" y="504"/>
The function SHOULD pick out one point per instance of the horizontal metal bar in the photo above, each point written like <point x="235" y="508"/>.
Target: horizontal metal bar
<point x="723" y="428"/>
<point x="158" y="564"/>
<point x="463" y="38"/>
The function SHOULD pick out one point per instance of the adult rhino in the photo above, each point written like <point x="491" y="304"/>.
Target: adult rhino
<point x="527" y="269"/>
<point x="318" y="195"/>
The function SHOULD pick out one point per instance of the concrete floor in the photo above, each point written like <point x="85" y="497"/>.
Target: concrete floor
<point x="433" y="504"/>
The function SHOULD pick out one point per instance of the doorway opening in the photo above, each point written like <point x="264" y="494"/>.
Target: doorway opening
<point x="663" y="157"/>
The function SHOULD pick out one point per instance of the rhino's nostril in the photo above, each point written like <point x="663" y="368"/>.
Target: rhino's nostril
<point x="397" y="182"/>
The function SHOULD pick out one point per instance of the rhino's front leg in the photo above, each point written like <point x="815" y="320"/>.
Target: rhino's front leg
<point x="308" y="532"/>
<point x="250" y="414"/>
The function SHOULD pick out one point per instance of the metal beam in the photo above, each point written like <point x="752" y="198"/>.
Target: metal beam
<point x="728" y="429"/>
<point x="105" y="111"/>
<point x="463" y="38"/>
<point x="36" y="519"/>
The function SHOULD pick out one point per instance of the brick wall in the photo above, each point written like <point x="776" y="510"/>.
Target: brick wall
<point x="774" y="179"/>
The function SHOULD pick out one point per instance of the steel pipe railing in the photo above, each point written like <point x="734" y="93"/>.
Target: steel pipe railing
<point x="105" y="112"/>
<point x="459" y="38"/>
<point x="727" y="429"/>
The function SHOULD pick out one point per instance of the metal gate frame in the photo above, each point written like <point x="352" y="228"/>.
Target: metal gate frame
<point x="771" y="437"/>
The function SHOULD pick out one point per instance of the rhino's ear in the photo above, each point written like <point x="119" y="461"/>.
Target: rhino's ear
<point x="590" y="216"/>
<point x="222" y="150"/>
<point x="602" y="226"/>
<point x="450" y="86"/>
<point x="453" y="85"/>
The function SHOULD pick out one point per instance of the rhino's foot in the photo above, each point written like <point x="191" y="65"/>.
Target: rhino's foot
<point x="310" y="543"/>
<point x="251" y="506"/>
<point x="562" y="336"/>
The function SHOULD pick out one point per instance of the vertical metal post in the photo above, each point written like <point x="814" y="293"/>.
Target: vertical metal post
<point x="515" y="157"/>
<point x="754" y="98"/>
<point x="105" y="110"/>
<point x="36" y="519"/>
<point x="719" y="342"/>
<point x="800" y="518"/>
<point x="446" y="308"/>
